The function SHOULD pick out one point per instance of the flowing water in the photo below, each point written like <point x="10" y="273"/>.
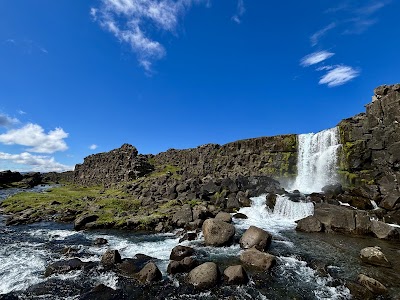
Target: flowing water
<point x="317" y="160"/>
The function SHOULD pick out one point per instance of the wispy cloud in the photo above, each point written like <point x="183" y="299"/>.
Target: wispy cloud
<point x="26" y="46"/>
<point x="339" y="75"/>
<point x="130" y="20"/>
<point x="21" y="112"/>
<point x="237" y="18"/>
<point x="93" y="147"/>
<point x="38" y="163"/>
<point x="315" y="58"/>
<point x="7" y="121"/>
<point x="34" y="136"/>
<point x="314" y="39"/>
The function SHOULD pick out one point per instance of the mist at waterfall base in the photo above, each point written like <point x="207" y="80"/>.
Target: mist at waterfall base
<point x="317" y="160"/>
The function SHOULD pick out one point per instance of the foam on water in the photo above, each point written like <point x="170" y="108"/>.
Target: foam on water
<point x="282" y="218"/>
<point x="22" y="265"/>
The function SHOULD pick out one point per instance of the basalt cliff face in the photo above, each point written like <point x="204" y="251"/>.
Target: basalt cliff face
<point x="371" y="147"/>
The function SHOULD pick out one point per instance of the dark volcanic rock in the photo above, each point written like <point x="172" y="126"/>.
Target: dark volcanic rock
<point x="102" y="292"/>
<point x="65" y="266"/>
<point x="149" y="273"/>
<point x="204" y="276"/>
<point x="239" y="216"/>
<point x="217" y="233"/>
<point x="8" y="177"/>
<point x="180" y="252"/>
<point x="110" y="258"/>
<point x="235" y="275"/>
<point x="122" y="164"/>
<point x="84" y="219"/>
<point x="257" y="238"/>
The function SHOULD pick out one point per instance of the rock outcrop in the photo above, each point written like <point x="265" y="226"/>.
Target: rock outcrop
<point x="119" y="165"/>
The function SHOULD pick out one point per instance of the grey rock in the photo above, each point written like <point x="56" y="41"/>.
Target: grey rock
<point x="255" y="237"/>
<point x="217" y="233"/>
<point x="204" y="276"/>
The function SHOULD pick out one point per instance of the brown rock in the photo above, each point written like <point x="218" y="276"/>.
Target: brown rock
<point x="258" y="259"/>
<point x="374" y="256"/>
<point x="180" y="252"/>
<point x="309" y="224"/>
<point x="149" y="273"/>
<point x="256" y="237"/>
<point x="372" y="284"/>
<point x="235" y="275"/>
<point x="217" y="233"/>
<point x="204" y="276"/>
<point x="110" y="258"/>
<point x="224" y="216"/>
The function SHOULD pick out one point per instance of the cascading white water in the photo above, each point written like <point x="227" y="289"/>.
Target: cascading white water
<point x="317" y="160"/>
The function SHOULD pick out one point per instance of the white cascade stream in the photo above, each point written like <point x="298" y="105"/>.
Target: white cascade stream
<point x="317" y="160"/>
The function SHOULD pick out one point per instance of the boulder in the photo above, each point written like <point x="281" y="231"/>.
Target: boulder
<point x="180" y="252"/>
<point x="130" y="266"/>
<point x="243" y="200"/>
<point x="270" y="201"/>
<point x="224" y="216"/>
<point x="65" y="266"/>
<point x="239" y="216"/>
<point x="102" y="292"/>
<point x="217" y="233"/>
<point x="309" y="224"/>
<point x="384" y="231"/>
<point x="258" y="259"/>
<point x="235" y="275"/>
<point x="82" y="220"/>
<point x="232" y="202"/>
<point x="183" y="216"/>
<point x="204" y="276"/>
<point x="255" y="237"/>
<point x="183" y="266"/>
<point x="188" y="236"/>
<point x="374" y="256"/>
<point x="372" y="284"/>
<point x="335" y="218"/>
<point x="110" y="258"/>
<point x="149" y="273"/>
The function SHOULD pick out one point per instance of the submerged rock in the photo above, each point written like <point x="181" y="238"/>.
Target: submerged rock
<point x="235" y="275"/>
<point x="372" y="284"/>
<point x="102" y="292"/>
<point x="204" y="276"/>
<point x="256" y="237"/>
<point x="65" y="266"/>
<point x="217" y="233"/>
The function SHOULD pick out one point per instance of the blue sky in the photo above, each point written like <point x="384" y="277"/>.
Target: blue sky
<point x="81" y="77"/>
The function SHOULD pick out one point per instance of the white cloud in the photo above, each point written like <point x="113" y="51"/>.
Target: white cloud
<point x="33" y="135"/>
<point x="315" y="58"/>
<point x="93" y="147"/>
<point x="21" y="112"/>
<point x="339" y="75"/>
<point x="7" y="121"/>
<point x="37" y="163"/>
<point x="240" y="12"/>
<point x="320" y="33"/>
<point x="128" y="20"/>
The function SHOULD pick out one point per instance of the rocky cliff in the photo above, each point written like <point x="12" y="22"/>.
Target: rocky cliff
<point x="119" y="165"/>
<point x="371" y="147"/>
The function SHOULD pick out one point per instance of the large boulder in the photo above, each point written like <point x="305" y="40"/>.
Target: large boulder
<point x="255" y="237"/>
<point x="183" y="216"/>
<point x="235" y="275"/>
<point x="224" y="216"/>
<point x="65" y="266"/>
<point x="110" y="258"/>
<point x="372" y="284"/>
<point x="149" y="273"/>
<point x="204" y="276"/>
<point x="84" y="219"/>
<point x="258" y="259"/>
<point x="180" y="252"/>
<point x="309" y="224"/>
<point x="384" y="231"/>
<point x="217" y="233"/>
<point x="374" y="256"/>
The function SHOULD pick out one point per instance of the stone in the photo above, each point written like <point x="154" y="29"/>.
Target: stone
<point x="102" y="292"/>
<point x="183" y="266"/>
<point x="372" y="284"/>
<point x="232" y="203"/>
<point x="217" y="233"/>
<point x="110" y="258"/>
<point x="335" y="218"/>
<point x="258" y="259"/>
<point x="374" y="256"/>
<point x="82" y="220"/>
<point x="189" y="236"/>
<point x="130" y="266"/>
<point x="384" y="231"/>
<point x="391" y="201"/>
<point x="65" y="266"/>
<point x="224" y="216"/>
<point x="235" y="275"/>
<point x="100" y="241"/>
<point x="239" y="216"/>
<point x="309" y="224"/>
<point x="149" y="273"/>
<point x="183" y="216"/>
<point x="204" y="276"/>
<point x="270" y="201"/>
<point x="256" y="237"/>
<point x="243" y="200"/>
<point x="180" y="252"/>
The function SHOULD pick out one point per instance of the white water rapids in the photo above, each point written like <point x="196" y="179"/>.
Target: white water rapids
<point x="317" y="160"/>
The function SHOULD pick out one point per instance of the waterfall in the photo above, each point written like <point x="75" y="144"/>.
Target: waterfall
<point x="317" y="160"/>
<point x="292" y="210"/>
